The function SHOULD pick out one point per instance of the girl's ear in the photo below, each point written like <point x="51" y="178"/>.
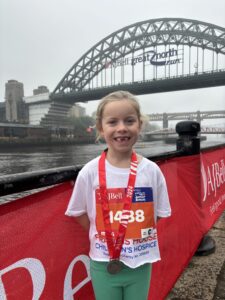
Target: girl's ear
<point x="101" y="133"/>
<point x="100" y="130"/>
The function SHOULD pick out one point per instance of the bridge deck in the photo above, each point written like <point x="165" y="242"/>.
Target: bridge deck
<point x="186" y="82"/>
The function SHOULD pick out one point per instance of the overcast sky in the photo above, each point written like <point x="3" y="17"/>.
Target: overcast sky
<point x="41" y="39"/>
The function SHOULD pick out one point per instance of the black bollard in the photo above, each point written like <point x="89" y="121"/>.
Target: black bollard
<point x="189" y="143"/>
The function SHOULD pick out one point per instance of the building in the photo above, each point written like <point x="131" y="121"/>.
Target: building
<point x="15" y="131"/>
<point x="77" y="111"/>
<point x="42" y="89"/>
<point x="43" y="111"/>
<point x="15" y="107"/>
<point x="38" y="107"/>
<point x="2" y="112"/>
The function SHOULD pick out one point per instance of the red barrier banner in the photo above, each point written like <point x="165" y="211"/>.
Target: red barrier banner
<point x="213" y="185"/>
<point x="196" y="186"/>
<point x="179" y="235"/>
<point x="44" y="254"/>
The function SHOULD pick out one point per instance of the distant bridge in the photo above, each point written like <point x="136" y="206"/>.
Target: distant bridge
<point x="197" y="116"/>
<point x="169" y="131"/>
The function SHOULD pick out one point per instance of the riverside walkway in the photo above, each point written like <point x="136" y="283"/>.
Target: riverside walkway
<point x="204" y="278"/>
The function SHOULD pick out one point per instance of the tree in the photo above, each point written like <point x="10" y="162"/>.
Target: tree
<point x="80" y="125"/>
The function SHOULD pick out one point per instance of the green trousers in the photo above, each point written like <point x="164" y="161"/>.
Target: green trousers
<point x="128" y="284"/>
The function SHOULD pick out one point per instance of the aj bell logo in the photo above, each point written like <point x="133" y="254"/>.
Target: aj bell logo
<point x="213" y="176"/>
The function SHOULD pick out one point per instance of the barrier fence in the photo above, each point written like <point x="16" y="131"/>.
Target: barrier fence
<point x="44" y="254"/>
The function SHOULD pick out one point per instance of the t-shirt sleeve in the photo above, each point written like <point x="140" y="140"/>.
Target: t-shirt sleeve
<point x="163" y="203"/>
<point x="77" y="204"/>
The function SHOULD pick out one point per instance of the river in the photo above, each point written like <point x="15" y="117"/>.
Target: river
<point x="13" y="160"/>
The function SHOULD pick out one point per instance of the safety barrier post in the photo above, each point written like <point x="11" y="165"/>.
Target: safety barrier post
<point x="189" y="143"/>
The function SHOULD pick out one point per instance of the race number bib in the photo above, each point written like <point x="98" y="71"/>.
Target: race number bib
<point x="141" y="215"/>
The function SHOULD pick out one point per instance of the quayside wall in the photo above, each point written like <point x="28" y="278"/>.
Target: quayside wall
<point x="44" y="254"/>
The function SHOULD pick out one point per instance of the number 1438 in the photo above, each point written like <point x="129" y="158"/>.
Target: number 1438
<point x="132" y="216"/>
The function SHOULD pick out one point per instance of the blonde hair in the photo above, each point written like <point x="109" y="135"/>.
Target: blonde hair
<point x="116" y="96"/>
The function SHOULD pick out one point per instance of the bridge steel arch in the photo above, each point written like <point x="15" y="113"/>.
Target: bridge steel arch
<point x="150" y="33"/>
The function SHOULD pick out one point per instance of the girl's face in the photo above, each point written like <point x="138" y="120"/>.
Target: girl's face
<point x="120" y="126"/>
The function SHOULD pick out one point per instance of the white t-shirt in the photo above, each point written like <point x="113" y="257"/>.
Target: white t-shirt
<point x="150" y="200"/>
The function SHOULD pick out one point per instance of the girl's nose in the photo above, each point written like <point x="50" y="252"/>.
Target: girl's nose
<point x="121" y="126"/>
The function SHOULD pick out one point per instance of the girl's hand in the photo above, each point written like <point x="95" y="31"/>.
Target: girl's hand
<point x="84" y="221"/>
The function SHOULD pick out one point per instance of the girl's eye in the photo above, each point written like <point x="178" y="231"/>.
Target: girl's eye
<point x="130" y="121"/>
<point x="112" y="122"/>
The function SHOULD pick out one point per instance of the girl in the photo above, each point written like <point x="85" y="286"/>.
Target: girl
<point x="118" y="198"/>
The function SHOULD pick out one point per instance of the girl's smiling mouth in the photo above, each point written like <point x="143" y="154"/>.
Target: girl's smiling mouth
<point x="122" y="138"/>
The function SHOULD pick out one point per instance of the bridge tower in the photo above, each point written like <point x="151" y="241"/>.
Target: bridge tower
<point x="198" y="117"/>
<point x="165" y="120"/>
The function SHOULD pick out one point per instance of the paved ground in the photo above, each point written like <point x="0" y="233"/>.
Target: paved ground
<point x="204" y="278"/>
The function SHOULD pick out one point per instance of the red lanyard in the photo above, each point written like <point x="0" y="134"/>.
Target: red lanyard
<point x="115" y="243"/>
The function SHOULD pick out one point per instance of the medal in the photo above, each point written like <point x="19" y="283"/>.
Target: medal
<point x="114" y="266"/>
<point x="115" y="244"/>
